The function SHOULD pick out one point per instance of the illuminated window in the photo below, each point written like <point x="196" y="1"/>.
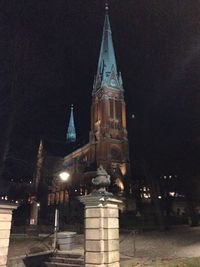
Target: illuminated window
<point x="145" y="193"/>
<point x="52" y="198"/>
<point x="96" y="112"/>
<point x="57" y="197"/>
<point x="49" y="199"/>
<point x="61" y="196"/>
<point x="123" y="169"/>
<point x="115" y="111"/>
<point x="66" y="196"/>
<point x="120" y="184"/>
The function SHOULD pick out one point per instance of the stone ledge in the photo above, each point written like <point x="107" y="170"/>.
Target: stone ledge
<point x="4" y="205"/>
<point x="100" y="200"/>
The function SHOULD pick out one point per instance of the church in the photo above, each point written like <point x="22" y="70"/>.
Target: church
<point x="108" y="142"/>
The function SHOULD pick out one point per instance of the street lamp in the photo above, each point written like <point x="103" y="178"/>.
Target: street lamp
<point x="64" y="176"/>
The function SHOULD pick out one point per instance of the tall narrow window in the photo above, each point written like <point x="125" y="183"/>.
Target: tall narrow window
<point x="111" y="108"/>
<point x="118" y="112"/>
<point x="96" y="112"/>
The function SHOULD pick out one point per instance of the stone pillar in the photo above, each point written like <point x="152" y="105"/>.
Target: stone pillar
<point x="101" y="231"/>
<point x="5" y="226"/>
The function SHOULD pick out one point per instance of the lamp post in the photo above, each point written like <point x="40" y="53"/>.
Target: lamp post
<point x="64" y="176"/>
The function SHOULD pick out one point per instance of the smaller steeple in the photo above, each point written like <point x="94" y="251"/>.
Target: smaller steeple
<point x="71" y="132"/>
<point x="38" y="166"/>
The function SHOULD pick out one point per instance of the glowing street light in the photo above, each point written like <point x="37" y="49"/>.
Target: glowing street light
<point x="64" y="176"/>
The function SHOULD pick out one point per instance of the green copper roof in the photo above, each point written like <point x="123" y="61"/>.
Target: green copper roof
<point x="107" y="68"/>
<point x="71" y="132"/>
<point x="107" y="54"/>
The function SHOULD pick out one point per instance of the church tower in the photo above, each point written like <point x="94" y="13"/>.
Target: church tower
<point x="108" y="113"/>
<point x="71" y="132"/>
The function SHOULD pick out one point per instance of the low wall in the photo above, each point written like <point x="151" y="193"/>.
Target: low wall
<point x="5" y="225"/>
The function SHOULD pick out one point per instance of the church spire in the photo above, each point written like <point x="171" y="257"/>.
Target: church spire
<point x="71" y="132"/>
<point x="107" y="67"/>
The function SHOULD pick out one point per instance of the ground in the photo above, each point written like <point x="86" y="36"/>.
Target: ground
<point x="152" y="249"/>
<point x="160" y="248"/>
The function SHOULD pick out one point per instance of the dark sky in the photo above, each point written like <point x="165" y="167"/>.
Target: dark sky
<point x="49" y="54"/>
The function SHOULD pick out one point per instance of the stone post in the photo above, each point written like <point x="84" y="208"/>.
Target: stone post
<point x="101" y="231"/>
<point x="34" y="213"/>
<point x="5" y="226"/>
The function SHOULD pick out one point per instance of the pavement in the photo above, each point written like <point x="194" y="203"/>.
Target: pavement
<point x="136" y="249"/>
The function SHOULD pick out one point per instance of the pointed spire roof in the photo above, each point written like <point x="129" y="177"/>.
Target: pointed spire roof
<point x="38" y="166"/>
<point x="107" y="66"/>
<point x="107" y="54"/>
<point x="71" y="132"/>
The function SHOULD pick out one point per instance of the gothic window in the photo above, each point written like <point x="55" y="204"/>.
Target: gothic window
<point x="115" y="111"/>
<point x="57" y="199"/>
<point x="96" y="112"/>
<point x="118" y="110"/>
<point x="66" y="196"/>
<point x="61" y="196"/>
<point x="111" y="108"/>
<point x="119" y="184"/>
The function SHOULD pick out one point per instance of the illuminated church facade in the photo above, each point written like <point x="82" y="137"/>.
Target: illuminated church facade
<point x="108" y="143"/>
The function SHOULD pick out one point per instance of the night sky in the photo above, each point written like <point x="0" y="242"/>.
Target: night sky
<point x="48" y="55"/>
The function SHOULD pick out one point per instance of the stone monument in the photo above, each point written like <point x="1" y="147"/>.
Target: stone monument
<point x="101" y="224"/>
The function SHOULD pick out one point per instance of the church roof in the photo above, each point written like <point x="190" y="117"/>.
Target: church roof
<point x="107" y="68"/>
<point x="61" y="149"/>
<point x="107" y="59"/>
